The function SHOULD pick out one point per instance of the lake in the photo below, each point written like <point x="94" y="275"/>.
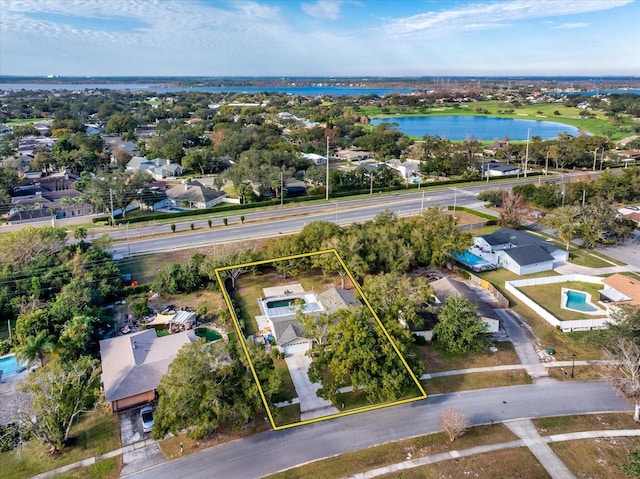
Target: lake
<point x="482" y="128"/>
<point x="312" y="91"/>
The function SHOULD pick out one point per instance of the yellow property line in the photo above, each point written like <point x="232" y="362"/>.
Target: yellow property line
<point x="236" y="323"/>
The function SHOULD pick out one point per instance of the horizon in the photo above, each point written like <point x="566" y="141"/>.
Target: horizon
<point x="319" y="39"/>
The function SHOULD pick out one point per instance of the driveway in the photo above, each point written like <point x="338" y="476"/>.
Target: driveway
<point x="142" y="457"/>
<point x="311" y="405"/>
<point x="522" y="344"/>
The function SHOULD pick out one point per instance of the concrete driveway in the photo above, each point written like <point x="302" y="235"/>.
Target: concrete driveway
<point x="311" y="405"/>
<point x="146" y="455"/>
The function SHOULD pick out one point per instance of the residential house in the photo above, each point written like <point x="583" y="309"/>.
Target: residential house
<point x="314" y="158"/>
<point x="620" y="288"/>
<point x="132" y="365"/>
<point x="408" y="169"/>
<point x="279" y="308"/>
<point x="445" y="287"/>
<point x="159" y="168"/>
<point x="493" y="168"/>
<point x="353" y="155"/>
<point x="42" y="199"/>
<point x="195" y="195"/>
<point x="521" y="252"/>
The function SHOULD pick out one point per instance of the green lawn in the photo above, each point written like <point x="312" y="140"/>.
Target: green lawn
<point x="467" y="382"/>
<point x="96" y="433"/>
<point x="23" y="121"/>
<point x="549" y="297"/>
<point x="436" y="360"/>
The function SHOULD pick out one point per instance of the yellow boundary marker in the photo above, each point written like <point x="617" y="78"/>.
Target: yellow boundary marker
<point x="236" y="323"/>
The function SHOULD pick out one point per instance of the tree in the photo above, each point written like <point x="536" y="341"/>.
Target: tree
<point x="36" y="347"/>
<point x="459" y="329"/>
<point x="454" y="423"/>
<point x="512" y="210"/>
<point x="358" y="354"/>
<point x="209" y="385"/>
<point x="60" y="394"/>
<point x="623" y="370"/>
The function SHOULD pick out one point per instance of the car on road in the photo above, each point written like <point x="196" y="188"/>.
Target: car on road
<point x="146" y="415"/>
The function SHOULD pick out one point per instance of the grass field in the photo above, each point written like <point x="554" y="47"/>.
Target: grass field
<point x="548" y="426"/>
<point x="599" y="457"/>
<point x="468" y="382"/>
<point x="371" y="458"/>
<point x="435" y="360"/>
<point x="96" y="433"/>
<point x="549" y="297"/>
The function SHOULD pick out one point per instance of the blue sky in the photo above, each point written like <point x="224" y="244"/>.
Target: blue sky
<point x="319" y="37"/>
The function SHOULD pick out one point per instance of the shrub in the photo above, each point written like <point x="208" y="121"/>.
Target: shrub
<point x="192" y="226"/>
<point x="5" y="347"/>
<point x="173" y="228"/>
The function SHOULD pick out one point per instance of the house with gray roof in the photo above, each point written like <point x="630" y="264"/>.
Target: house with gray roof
<point x="281" y="304"/>
<point x="195" y="195"/>
<point x="133" y="364"/>
<point x="521" y="252"/>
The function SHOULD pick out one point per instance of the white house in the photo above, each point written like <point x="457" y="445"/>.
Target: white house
<point x="159" y="168"/>
<point x="521" y="252"/>
<point x="408" y="169"/>
<point x="195" y="195"/>
<point x="279" y="308"/>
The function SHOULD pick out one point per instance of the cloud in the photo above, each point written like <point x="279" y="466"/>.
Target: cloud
<point x="494" y="15"/>
<point x="573" y="25"/>
<point x="323" y="9"/>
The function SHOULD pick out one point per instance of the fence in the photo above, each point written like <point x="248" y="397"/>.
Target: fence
<point x="483" y="283"/>
<point x="571" y="325"/>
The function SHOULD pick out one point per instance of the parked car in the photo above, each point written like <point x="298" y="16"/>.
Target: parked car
<point x="146" y="414"/>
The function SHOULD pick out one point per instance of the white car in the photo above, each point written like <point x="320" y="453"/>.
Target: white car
<point x="146" y="414"/>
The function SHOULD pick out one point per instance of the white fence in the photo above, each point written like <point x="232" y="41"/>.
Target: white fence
<point x="572" y="325"/>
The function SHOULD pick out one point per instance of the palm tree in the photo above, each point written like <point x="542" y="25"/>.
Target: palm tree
<point x="36" y="347"/>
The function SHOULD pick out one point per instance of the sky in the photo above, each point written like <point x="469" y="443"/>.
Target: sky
<point x="326" y="38"/>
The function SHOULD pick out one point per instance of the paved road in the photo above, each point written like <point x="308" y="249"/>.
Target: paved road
<point x="273" y="451"/>
<point x="292" y="218"/>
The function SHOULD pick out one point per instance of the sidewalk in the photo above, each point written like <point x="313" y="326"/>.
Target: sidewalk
<point x="131" y="448"/>
<point x="541" y="440"/>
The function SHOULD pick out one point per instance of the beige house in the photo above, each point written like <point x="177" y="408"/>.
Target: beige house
<point x="132" y="365"/>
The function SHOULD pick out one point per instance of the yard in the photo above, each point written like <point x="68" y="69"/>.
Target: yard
<point x="549" y="297"/>
<point x="96" y="433"/>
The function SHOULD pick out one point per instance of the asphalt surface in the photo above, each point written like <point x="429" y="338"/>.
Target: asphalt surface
<point x="289" y="219"/>
<point x="273" y="451"/>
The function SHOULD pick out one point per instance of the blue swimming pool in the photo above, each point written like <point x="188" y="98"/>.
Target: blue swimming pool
<point x="469" y="258"/>
<point x="9" y="365"/>
<point x="578" y="301"/>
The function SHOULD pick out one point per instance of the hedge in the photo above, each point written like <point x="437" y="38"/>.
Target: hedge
<point x="298" y="199"/>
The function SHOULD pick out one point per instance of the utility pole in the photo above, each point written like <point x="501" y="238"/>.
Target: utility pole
<point x="422" y="203"/>
<point x="526" y="155"/>
<point x="595" y="155"/>
<point x="327" y="182"/>
<point x="113" y="222"/>
<point x="371" y="184"/>
<point x="281" y="188"/>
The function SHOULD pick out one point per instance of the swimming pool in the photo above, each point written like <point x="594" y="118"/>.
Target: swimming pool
<point x="476" y="263"/>
<point x="578" y="301"/>
<point x="469" y="258"/>
<point x="9" y="365"/>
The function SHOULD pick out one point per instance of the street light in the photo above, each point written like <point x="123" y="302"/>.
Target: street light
<point x="573" y="364"/>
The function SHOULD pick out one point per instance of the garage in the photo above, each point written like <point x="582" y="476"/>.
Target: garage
<point x="296" y="347"/>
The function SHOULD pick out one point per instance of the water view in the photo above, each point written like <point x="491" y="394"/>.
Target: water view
<point x="484" y="128"/>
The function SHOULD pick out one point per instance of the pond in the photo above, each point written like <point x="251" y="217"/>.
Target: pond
<point x="482" y="128"/>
